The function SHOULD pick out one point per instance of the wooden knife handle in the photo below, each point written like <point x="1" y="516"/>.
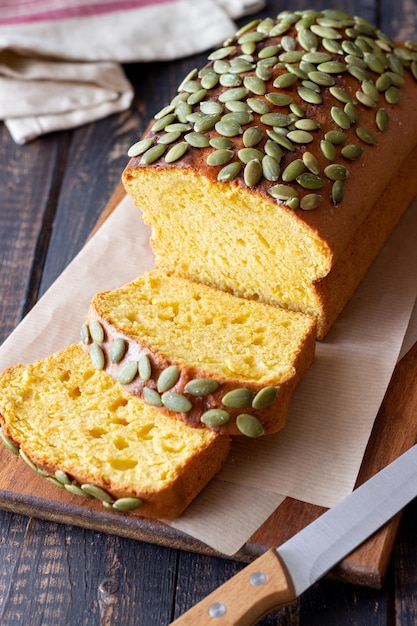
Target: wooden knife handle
<point x="243" y="600"/>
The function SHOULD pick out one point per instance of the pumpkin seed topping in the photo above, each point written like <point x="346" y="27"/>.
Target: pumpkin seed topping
<point x="97" y="356"/>
<point x="266" y="395"/>
<point x="117" y="350"/>
<point x="249" y="425"/>
<point x="144" y="367"/>
<point x="168" y="378"/>
<point x="238" y="398"/>
<point x="9" y="444"/>
<point x="176" y="402"/>
<point x="269" y="78"/>
<point x="215" y="417"/>
<point x="127" y="504"/>
<point x="127" y="372"/>
<point x="152" y="397"/>
<point x="201" y="386"/>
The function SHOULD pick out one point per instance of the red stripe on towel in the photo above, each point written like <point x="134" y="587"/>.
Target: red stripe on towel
<point x="26" y="11"/>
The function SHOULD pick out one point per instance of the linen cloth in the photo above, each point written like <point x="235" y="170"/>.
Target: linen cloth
<point x="60" y="62"/>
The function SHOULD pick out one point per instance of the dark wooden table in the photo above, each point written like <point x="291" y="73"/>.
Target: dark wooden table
<point x="53" y="192"/>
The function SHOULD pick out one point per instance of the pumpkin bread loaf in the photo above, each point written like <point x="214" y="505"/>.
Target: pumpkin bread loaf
<point x="199" y="354"/>
<point x="74" y="424"/>
<point x="279" y="169"/>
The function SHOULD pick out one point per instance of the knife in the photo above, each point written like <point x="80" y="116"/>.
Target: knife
<point x="281" y="575"/>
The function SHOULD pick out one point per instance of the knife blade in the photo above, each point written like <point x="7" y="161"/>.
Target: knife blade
<point x="281" y="575"/>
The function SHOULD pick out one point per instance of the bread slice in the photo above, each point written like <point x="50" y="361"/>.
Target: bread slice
<point x="231" y="364"/>
<point x="76" y="425"/>
<point x="319" y="124"/>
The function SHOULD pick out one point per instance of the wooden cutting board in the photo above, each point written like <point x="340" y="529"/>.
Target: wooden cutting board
<point x="395" y="430"/>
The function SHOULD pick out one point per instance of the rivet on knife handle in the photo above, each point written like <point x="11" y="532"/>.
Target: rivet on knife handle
<point x="243" y="600"/>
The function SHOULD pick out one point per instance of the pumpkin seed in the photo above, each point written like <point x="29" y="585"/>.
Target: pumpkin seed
<point x="311" y="162"/>
<point x="238" y="93"/>
<point x="383" y="82"/>
<point x="220" y="157"/>
<point x="176" y="152"/>
<point x="9" y="444"/>
<point x="292" y="56"/>
<point x="276" y="119"/>
<point x="270" y="168"/>
<point x="376" y="62"/>
<point x="308" y="95"/>
<point x="273" y="149"/>
<point x="169" y="137"/>
<point x="258" y="106"/>
<point x="55" y="482"/>
<point x="77" y="491"/>
<point x="392" y="95"/>
<point x="263" y="72"/>
<point x="221" y="53"/>
<point x="382" y="119"/>
<point x="288" y="43"/>
<point x="197" y="140"/>
<point x="316" y="57"/>
<point x="285" y="80"/>
<point x="252" y="173"/>
<point x="168" y="378"/>
<point x="97" y="492"/>
<point x="62" y="477"/>
<point x="351" y="111"/>
<point x="182" y="111"/>
<point x="162" y="122"/>
<point x="332" y="67"/>
<point x="201" y="386"/>
<point x="335" y="137"/>
<point x="308" y="180"/>
<point x="209" y="80"/>
<point x="340" y="94"/>
<point x="240" y="117"/>
<point x="331" y="45"/>
<point x="248" y="154"/>
<point x="265" y="396"/>
<point x="97" y="356"/>
<point x="249" y="425"/>
<point x="298" y="71"/>
<point x="337" y="192"/>
<point x="238" y="398"/>
<point x="176" y="402"/>
<point x="369" y="88"/>
<point x="321" y="78"/>
<point x="282" y="192"/>
<point x="252" y="136"/>
<point x="365" y="99"/>
<point x="279" y="99"/>
<point x="336" y="171"/>
<point x="228" y="129"/>
<point x="96" y="331"/>
<point x="215" y="417"/>
<point x="268" y="51"/>
<point x="310" y="201"/>
<point x="352" y="151"/>
<point x="308" y="40"/>
<point x="366" y="135"/>
<point x="140" y="147"/>
<point x="325" y="32"/>
<point x="296" y="109"/>
<point x="359" y="73"/>
<point x="117" y="350"/>
<point x="300" y="136"/>
<point x="210" y="107"/>
<point x="85" y="334"/>
<point x="255" y="85"/>
<point x="152" y="397"/>
<point x="221" y="143"/>
<point x="153" y="154"/>
<point x="127" y="372"/>
<point x="293" y="169"/>
<point x="205" y="123"/>
<point x="127" y="504"/>
<point x="229" y="172"/>
<point x="144" y="366"/>
<point x="230" y="80"/>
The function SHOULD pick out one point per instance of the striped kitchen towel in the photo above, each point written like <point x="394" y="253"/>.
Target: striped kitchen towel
<point x="60" y="61"/>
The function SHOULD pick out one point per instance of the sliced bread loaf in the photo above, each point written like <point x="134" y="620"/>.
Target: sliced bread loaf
<point x="77" y="426"/>
<point x="200" y="354"/>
